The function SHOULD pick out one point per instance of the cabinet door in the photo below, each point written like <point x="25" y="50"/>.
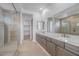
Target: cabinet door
<point x="49" y="39"/>
<point x="63" y="52"/>
<point x="38" y="39"/>
<point x="51" y="48"/>
<point x="72" y="48"/>
<point x="42" y="36"/>
<point x="59" y="43"/>
<point x="41" y="41"/>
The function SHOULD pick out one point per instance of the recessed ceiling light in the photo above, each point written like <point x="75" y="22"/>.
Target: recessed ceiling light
<point x="41" y="8"/>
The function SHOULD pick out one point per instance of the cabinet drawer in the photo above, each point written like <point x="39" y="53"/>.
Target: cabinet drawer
<point x="42" y="36"/>
<point x="51" y="48"/>
<point x="59" y="43"/>
<point x="63" y="52"/>
<point x="43" y="41"/>
<point x="49" y="39"/>
<point x="38" y="39"/>
<point x="43" y="45"/>
<point x="72" y="48"/>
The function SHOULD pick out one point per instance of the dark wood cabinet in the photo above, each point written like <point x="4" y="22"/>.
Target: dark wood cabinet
<point x="51" y="48"/>
<point x="62" y="52"/>
<point x="50" y="39"/>
<point x="72" y="48"/>
<point x="41" y="40"/>
<point x="44" y="43"/>
<point x="59" y="43"/>
<point x="38" y="38"/>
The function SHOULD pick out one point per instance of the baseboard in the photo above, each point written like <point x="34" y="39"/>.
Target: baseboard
<point x="42" y="48"/>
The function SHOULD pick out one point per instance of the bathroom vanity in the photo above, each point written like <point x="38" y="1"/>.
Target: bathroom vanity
<point x="57" y="45"/>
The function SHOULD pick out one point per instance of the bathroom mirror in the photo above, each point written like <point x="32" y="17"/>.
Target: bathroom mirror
<point x="69" y="20"/>
<point x="69" y="25"/>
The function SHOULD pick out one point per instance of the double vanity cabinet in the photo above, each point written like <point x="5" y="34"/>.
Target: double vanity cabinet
<point x="56" y="47"/>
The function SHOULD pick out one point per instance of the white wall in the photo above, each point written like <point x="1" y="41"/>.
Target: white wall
<point x="36" y="17"/>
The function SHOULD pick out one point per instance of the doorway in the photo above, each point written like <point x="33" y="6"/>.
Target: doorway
<point x="27" y="26"/>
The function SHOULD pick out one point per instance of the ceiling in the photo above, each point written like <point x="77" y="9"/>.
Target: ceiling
<point x="7" y="6"/>
<point x="52" y="8"/>
<point x="32" y="6"/>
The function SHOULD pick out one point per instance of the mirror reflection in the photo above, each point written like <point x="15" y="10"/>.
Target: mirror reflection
<point x="40" y="25"/>
<point x="69" y="25"/>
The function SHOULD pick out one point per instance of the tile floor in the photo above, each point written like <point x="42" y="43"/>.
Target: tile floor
<point x="28" y="48"/>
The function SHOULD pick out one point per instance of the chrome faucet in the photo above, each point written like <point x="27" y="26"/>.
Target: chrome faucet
<point x="65" y="36"/>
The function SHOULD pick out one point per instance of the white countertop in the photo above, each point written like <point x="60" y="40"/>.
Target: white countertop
<point x="71" y="39"/>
